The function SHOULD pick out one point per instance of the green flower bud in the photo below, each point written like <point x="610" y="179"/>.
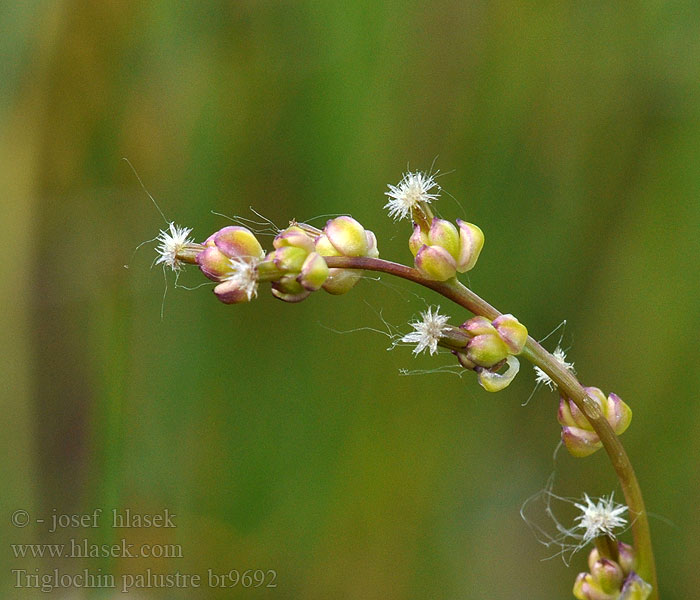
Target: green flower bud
<point x="478" y="326"/>
<point x="372" y="250"/>
<point x="324" y="247"/>
<point x="314" y="272"/>
<point x="294" y="236"/>
<point x="347" y="236"/>
<point x="570" y="415"/>
<point x="487" y="350"/>
<point x="344" y="236"/>
<point x="471" y="241"/>
<point x="635" y="588"/>
<point x="237" y="242"/>
<point x="214" y="263"/>
<point x="587" y="588"/>
<point x="618" y="414"/>
<point x="513" y="333"/>
<point x="289" y="289"/>
<point x="493" y="381"/>
<point x="580" y="442"/>
<point x="578" y="434"/>
<point x="417" y="240"/>
<point x="341" y="281"/>
<point x="608" y="574"/>
<point x="434" y="262"/>
<point x="444" y="234"/>
<point x="289" y="258"/>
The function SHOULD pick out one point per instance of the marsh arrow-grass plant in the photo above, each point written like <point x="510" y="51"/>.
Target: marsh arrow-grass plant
<point x="305" y="259"/>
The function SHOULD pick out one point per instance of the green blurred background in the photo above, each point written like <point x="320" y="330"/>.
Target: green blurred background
<point x="570" y="132"/>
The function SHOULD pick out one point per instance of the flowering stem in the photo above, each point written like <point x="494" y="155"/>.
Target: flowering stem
<point x="567" y="384"/>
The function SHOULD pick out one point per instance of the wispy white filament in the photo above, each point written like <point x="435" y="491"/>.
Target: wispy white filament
<point x="244" y="274"/>
<point x="542" y="377"/>
<point x="411" y="190"/>
<point x="600" y="518"/>
<point x="171" y="243"/>
<point x="427" y="332"/>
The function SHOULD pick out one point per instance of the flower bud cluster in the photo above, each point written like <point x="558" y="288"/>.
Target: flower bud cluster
<point x="493" y="344"/>
<point x="234" y="258"/>
<point x="443" y="250"/>
<point x="577" y="433"/>
<point x="611" y="579"/>
<point x="231" y="257"/>
<point x="344" y="236"/>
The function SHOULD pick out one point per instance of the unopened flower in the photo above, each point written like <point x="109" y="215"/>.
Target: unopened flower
<point x="611" y="580"/>
<point x="427" y="332"/>
<point x="560" y="357"/>
<point x="600" y="518"/>
<point x="443" y="250"/>
<point x="240" y="284"/>
<point x="492" y="342"/>
<point x="413" y="189"/>
<point x="578" y="434"/>
<point x="171" y="243"/>
<point x="344" y="236"/>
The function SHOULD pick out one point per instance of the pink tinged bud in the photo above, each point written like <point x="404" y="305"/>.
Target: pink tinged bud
<point x="578" y="586"/>
<point x="608" y="574"/>
<point x="289" y="290"/>
<point x="513" y="333"/>
<point x="471" y="241"/>
<point x="372" y="250"/>
<point x="444" y="234"/>
<point x="580" y="442"/>
<point x="341" y="281"/>
<point x="347" y="236"/>
<point x="434" y="262"/>
<point x="324" y="246"/>
<point x="314" y="272"/>
<point x="214" y="263"/>
<point x="626" y="557"/>
<point x="635" y="588"/>
<point x="464" y="361"/>
<point x="417" y="240"/>
<point x="478" y="326"/>
<point x="615" y="411"/>
<point x="587" y="588"/>
<point x="618" y="414"/>
<point x="570" y="415"/>
<point x="495" y="382"/>
<point x="289" y="259"/>
<point x="597" y="395"/>
<point x="486" y="350"/>
<point x="238" y="242"/>
<point x="296" y="237"/>
<point x="230" y="292"/>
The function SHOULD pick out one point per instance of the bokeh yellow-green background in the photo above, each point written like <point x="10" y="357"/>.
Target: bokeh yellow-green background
<point x="570" y="132"/>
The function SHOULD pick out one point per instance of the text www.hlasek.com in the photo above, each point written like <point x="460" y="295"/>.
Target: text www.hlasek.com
<point x="82" y="548"/>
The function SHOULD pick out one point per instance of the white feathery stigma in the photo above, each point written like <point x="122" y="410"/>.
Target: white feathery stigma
<point x="171" y="243"/>
<point x="542" y="377"/>
<point x="427" y="332"/>
<point x="412" y="189"/>
<point x="244" y="273"/>
<point x="600" y="518"/>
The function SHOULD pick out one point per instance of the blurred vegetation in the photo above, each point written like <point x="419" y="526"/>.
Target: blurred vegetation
<point x="570" y="132"/>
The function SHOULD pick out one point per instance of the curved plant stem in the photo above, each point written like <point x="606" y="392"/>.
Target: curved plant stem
<point x="567" y="384"/>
